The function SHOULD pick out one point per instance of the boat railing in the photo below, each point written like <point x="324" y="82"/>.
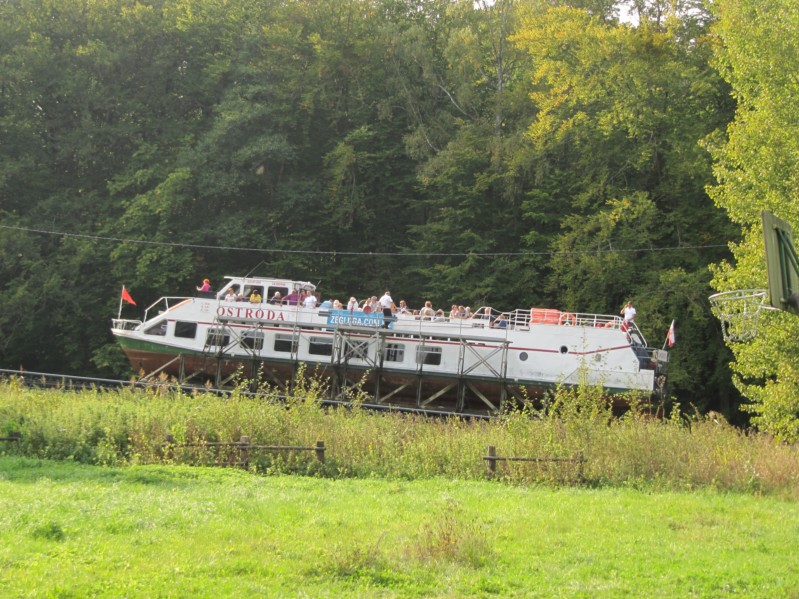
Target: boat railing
<point x="123" y="324"/>
<point x="525" y="317"/>
<point x="164" y="304"/>
<point x="651" y="358"/>
<point x="488" y="317"/>
<point x="636" y="335"/>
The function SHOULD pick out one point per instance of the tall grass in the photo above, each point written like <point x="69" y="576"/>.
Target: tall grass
<point x="130" y="426"/>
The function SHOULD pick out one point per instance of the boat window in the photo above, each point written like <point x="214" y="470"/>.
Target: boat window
<point x="252" y="340"/>
<point x="394" y="352"/>
<point x="187" y="330"/>
<point x="217" y="337"/>
<point x="286" y="343"/>
<point x="158" y="328"/>
<point x="428" y="355"/>
<point x="284" y="291"/>
<point x="320" y="346"/>
<point x="249" y="289"/>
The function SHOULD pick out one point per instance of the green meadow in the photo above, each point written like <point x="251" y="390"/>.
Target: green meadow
<point x="70" y="530"/>
<point x="118" y="494"/>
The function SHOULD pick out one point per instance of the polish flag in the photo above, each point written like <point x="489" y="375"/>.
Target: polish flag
<point x="670" y="338"/>
<point x="126" y="296"/>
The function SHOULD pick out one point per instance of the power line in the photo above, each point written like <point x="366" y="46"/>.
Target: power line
<point x="344" y="253"/>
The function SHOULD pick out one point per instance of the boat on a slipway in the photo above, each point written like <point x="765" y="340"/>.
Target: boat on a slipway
<point x="466" y="365"/>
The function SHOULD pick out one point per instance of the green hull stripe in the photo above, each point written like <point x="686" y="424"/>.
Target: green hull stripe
<point x="158" y="348"/>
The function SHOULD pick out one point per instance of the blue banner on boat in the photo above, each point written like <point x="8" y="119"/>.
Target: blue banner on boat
<point x="358" y="318"/>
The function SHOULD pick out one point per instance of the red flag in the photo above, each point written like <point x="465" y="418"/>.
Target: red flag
<point x="126" y="296"/>
<point x="670" y="338"/>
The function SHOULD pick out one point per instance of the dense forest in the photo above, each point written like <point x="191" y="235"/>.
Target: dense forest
<point x="517" y="153"/>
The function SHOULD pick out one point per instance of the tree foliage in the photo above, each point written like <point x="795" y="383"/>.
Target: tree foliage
<point x="511" y="153"/>
<point x="756" y="168"/>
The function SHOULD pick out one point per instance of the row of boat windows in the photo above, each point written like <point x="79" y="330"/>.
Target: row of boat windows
<point x="319" y="346"/>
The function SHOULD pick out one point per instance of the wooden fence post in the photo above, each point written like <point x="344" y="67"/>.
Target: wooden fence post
<point x="320" y="451"/>
<point x="492" y="463"/>
<point x="244" y="450"/>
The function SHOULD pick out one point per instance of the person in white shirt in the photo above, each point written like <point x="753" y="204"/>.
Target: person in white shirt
<point x="352" y="305"/>
<point x="629" y="313"/>
<point x="387" y="304"/>
<point x="310" y="301"/>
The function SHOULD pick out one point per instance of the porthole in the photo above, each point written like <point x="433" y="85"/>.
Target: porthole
<point x="523" y="356"/>
<point x="564" y="349"/>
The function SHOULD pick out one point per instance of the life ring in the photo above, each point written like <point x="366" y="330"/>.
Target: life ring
<point x="567" y="318"/>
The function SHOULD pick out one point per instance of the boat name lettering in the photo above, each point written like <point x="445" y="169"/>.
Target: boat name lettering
<point x="257" y="313"/>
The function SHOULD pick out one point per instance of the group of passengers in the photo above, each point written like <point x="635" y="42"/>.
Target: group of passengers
<point x="386" y="305"/>
<point x="372" y="304"/>
<point x="426" y="312"/>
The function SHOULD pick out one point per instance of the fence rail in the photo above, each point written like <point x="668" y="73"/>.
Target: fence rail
<point x="492" y="458"/>
<point x="245" y="446"/>
<point x="12" y="437"/>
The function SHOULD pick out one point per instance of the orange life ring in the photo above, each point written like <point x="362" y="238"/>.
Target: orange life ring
<point x="567" y="318"/>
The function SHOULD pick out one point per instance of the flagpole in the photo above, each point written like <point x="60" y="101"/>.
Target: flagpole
<point x="119" y="314"/>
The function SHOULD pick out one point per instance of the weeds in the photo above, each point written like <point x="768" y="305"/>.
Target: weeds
<point x="450" y="536"/>
<point x="128" y="426"/>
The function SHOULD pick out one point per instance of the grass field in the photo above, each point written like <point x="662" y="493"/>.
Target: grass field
<point x="71" y="530"/>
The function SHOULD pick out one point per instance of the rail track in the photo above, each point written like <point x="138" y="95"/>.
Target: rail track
<point x="71" y="382"/>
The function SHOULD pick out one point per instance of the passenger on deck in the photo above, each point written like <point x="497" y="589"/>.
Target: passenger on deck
<point x="467" y="312"/>
<point x="440" y="316"/>
<point x="499" y="322"/>
<point x="292" y="298"/>
<point x="276" y="298"/>
<point x="371" y="305"/>
<point x="231" y="295"/>
<point x="352" y="305"/>
<point x="310" y="301"/>
<point x="454" y="312"/>
<point x="484" y="313"/>
<point x="255" y="296"/>
<point x="427" y="312"/>
<point x="629" y="313"/>
<point x="205" y="287"/>
<point x="337" y="305"/>
<point x="326" y="305"/>
<point x="403" y="308"/>
<point x="387" y="305"/>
